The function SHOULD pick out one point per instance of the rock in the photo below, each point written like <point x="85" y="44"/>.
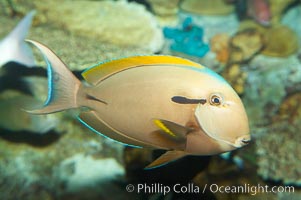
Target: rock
<point x="279" y="155"/>
<point x="91" y="51"/>
<point x="290" y="109"/>
<point x="281" y="41"/>
<point x="80" y="172"/>
<point x="212" y="7"/>
<point x="269" y="81"/>
<point x="38" y="167"/>
<point x="117" y="22"/>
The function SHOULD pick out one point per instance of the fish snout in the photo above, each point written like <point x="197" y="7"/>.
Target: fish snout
<point x="242" y="141"/>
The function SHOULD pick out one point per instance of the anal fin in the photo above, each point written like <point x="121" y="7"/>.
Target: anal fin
<point x="166" y="158"/>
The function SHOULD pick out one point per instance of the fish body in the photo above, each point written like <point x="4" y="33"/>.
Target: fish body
<point x="14" y="48"/>
<point x="13" y="118"/>
<point x="161" y="102"/>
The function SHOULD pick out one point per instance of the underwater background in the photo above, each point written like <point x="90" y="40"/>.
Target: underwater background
<point x="254" y="45"/>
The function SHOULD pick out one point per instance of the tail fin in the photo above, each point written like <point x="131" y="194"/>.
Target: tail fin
<point x="13" y="46"/>
<point x="62" y="84"/>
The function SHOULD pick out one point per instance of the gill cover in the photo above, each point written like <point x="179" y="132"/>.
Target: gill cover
<point x="224" y="119"/>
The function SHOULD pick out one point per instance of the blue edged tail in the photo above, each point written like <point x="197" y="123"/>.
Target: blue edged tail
<point x="63" y="86"/>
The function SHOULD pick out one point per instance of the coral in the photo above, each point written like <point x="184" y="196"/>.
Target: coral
<point x="91" y="51"/>
<point x="188" y="39"/>
<point x="166" y="11"/>
<point x="220" y="46"/>
<point x="269" y="81"/>
<point x="78" y="159"/>
<point x="117" y="22"/>
<point x="281" y="41"/>
<point x="213" y="7"/>
<point x="290" y="109"/>
<point x="279" y="153"/>
<point x="163" y="8"/>
<point x="277" y="8"/>
<point x="236" y="77"/>
<point x="275" y="40"/>
<point x="244" y="45"/>
<point x="81" y="171"/>
<point x="250" y="24"/>
<point x="293" y="17"/>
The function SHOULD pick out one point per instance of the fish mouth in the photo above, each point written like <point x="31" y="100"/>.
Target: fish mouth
<point x="242" y="141"/>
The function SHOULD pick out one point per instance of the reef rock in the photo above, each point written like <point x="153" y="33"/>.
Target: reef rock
<point x="290" y="109"/>
<point x="117" y="22"/>
<point x="81" y="171"/>
<point x="278" y="150"/>
<point x="269" y="81"/>
<point x="67" y="47"/>
<point x="279" y="154"/>
<point x="212" y="7"/>
<point x="75" y="165"/>
<point x="281" y="41"/>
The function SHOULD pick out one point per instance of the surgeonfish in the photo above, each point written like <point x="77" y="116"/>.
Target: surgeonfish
<point x="14" y="48"/>
<point x="163" y="102"/>
<point x="14" y="118"/>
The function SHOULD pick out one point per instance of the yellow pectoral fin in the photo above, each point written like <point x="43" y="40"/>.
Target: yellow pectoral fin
<point x="162" y="126"/>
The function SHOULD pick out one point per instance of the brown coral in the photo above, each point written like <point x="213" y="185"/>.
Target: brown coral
<point x="277" y="8"/>
<point x="281" y="41"/>
<point x="290" y="109"/>
<point x="212" y="7"/>
<point x="236" y="77"/>
<point x="245" y="44"/>
<point x="220" y="46"/>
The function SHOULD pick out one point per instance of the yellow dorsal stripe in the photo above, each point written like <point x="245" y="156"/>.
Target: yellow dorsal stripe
<point x="163" y="127"/>
<point x="103" y="70"/>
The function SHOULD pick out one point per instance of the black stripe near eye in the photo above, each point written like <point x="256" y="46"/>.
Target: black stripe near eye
<point x="184" y="100"/>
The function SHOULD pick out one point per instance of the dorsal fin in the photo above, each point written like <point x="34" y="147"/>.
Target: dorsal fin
<point x="101" y="71"/>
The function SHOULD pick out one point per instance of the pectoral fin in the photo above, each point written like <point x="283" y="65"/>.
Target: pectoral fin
<point x="166" y="158"/>
<point x="172" y="130"/>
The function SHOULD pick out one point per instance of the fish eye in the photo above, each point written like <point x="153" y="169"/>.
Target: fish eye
<point x="215" y="100"/>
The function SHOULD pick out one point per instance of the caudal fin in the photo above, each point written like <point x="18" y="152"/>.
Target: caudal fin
<point x="62" y="84"/>
<point x="14" y="48"/>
